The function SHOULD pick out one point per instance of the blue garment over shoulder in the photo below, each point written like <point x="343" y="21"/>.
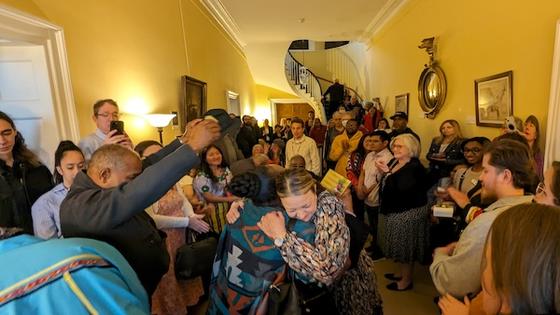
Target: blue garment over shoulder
<point x="67" y="276"/>
<point x="247" y="262"/>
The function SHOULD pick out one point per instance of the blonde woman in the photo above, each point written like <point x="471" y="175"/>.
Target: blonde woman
<point x="445" y="151"/>
<point x="335" y="257"/>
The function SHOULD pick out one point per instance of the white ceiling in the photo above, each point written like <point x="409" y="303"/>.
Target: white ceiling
<point x="323" y="20"/>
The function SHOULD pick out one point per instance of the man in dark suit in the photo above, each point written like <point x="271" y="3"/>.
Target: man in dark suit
<point x="246" y="137"/>
<point x="107" y="203"/>
<point x="336" y="95"/>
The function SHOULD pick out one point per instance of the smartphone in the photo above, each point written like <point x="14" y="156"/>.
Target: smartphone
<point x="118" y="125"/>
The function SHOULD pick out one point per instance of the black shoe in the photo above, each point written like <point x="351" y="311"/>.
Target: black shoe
<point x="391" y="276"/>
<point x="393" y="286"/>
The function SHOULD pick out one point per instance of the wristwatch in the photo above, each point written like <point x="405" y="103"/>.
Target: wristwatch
<point x="278" y="242"/>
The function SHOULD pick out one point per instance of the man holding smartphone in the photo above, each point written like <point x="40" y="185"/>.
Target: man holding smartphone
<point x="105" y="116"/>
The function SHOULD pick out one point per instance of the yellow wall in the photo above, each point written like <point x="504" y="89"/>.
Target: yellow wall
<point x="214" y="58"/>
<point x="27" y="6"/>
<point x="477" y="38"/>
<point x="263" y="96"/>
<point x="134" y="52"/>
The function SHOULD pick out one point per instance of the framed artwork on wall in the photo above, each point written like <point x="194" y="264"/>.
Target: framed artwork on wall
<point x="193" y="100"/>
<point x="493" y="98"/>
<point x="401" y="103"/>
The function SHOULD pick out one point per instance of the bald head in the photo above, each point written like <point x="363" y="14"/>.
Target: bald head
<point x="297" y="161"/>
<point x="112" y="165"/>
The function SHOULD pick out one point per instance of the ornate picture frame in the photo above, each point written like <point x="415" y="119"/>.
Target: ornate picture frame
<point x="493" y="98"/>
<point x="193" y="100"/>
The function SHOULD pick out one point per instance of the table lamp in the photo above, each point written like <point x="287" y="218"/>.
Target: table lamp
<point x="159" y="121"/>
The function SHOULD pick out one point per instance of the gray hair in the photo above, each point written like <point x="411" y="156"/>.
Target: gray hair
<point x="410" y="142"/>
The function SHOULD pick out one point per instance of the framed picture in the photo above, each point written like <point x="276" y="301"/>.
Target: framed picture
<point x="493" y="98"/>
<point x="193" y="100"/>
<point x="401" y="103"/>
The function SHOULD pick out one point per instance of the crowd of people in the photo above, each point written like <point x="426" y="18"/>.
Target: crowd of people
<point x="256" y="190"/>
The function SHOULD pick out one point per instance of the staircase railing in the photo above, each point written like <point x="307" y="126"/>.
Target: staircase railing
<point x="302" y="77"/>
<point x="346" y="88"/>
<point x="345" y="69"/>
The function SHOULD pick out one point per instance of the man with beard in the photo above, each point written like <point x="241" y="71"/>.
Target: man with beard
<point x="507" y="168"/>
<point x="400" y="125"/>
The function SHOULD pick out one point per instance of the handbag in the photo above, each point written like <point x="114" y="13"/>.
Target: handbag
<point x="195" y="258"/>
<point x="292" y="296"/>
<point x="288" y="295"/>
<point x="283" y="297"/>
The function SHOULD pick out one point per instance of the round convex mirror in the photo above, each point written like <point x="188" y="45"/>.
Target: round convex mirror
<point x="432" y="89"/>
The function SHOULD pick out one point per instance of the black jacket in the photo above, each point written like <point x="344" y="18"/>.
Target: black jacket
<point x="20" y="187"/>
<point x="117" y="215"/>
<point x="246" y="139"/>
<point x="405" y="189"/>
<point x="453" y="157"/>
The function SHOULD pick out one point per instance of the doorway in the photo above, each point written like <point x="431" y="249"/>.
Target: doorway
<point x="35" y="88"/>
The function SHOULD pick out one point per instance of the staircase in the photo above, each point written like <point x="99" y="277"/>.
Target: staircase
<point x="305" y="84"/>
<point x="344" y="68"/>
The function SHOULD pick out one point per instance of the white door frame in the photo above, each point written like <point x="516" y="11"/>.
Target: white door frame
<point x="552" y="148"/>
<point x="18" y="26"/>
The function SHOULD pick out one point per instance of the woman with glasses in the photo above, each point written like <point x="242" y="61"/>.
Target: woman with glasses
<point x="466" y="188"/>
<point x="23" y="179"/>
<point x="548" y="191"/>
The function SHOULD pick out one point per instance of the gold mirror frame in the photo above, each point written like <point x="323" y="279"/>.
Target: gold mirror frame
<point x="432" y="85"/>
<point x="432" y="89"/>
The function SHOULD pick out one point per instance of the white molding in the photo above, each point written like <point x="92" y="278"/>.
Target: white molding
<point x="552" y="147"/>
<point x="230" y="95"/>
<point x="386" y="13"/>
<point x="225" y="20"/>
<point x="22" y="27"/>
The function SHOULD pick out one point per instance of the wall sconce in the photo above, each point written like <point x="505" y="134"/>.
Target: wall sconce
<point x="159" y="121"/>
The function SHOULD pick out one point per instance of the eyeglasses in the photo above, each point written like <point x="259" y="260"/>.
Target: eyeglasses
<point x="106" y="115"/>
<point x="473" y="150"/>
<point x="541" y="189"/>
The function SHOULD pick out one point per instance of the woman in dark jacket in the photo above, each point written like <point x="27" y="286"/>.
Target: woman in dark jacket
<point x="23" y="179"/>
<point x="445" y="151"/>
<point x="404" y="211"/>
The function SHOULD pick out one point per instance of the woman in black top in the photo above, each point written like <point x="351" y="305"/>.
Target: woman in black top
<point x="404" y="211"/>
<point x="267" y="132"/>
<point x="445" y="151"/>
<point x="23" y="179"/>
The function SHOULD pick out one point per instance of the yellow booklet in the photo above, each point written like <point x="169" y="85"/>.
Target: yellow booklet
<point x="335" y="183"/>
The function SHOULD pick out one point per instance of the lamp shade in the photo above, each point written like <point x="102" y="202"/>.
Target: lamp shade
<point x="159" y="120"/>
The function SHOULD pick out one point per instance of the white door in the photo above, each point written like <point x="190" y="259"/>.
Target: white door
<point x="25" y="95"/>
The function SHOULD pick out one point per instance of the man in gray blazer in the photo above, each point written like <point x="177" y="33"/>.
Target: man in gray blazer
<point x="108" y="202"/>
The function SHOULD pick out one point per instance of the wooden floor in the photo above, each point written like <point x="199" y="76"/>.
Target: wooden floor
<point x="418" y="301"/>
